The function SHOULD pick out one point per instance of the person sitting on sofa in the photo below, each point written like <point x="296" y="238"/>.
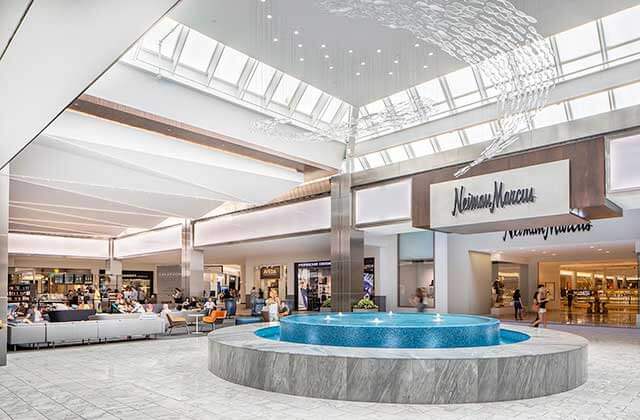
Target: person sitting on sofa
<point x="137" y="308"/>
<point x="33" y="315"/>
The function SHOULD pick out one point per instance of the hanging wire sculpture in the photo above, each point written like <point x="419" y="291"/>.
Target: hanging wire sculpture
<point x="492" y="36"/>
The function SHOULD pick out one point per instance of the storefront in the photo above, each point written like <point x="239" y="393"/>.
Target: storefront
<point x="313" y="283"/>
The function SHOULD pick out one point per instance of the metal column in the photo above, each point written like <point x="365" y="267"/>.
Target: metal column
<point x="4" y="260"/>
<point x="347" y="243"/>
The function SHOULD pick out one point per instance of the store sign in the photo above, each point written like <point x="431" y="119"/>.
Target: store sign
<point x="137" y="275"/>
<point x="169" y="277"/>
<point x="536" y="195"/>
<point x="271" y="272"/>
<point x="547" y="231"/>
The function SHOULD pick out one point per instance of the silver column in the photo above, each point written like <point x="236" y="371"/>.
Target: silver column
<point x="191" y="263"/>
<point x="347" y="243"/>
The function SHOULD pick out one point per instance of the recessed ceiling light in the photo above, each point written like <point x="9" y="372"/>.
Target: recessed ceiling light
<point x="330" y="67"/>
<point x="323" y="46"/>
<point x="592" y="247"/>
<point x="390" y="73"/>
<point x="533" y="250"/>
<point x="262" y="1"/>
<point x="396" y="61"/>
<point x="599" y="249"/>
<point x="430" y="53"/>
<point x="299" y="45"/>
<point x="350" y="51"/>
<point x="554" y="254"/>
<point x="544" y="252"/>
<point x="362" y="63"/>
<point x="425" y="67"/>
<point x="275" y="39"/>
<point x="326" y="56"/>
<point x="378" y="50"/>
<point x="416" y="45"/>
<point x="269" y="16"/>
<point x="301" y="59"/>
<point x="607" y="252"/>
<point x="296" y="32"/>
<point x="358" y="73"/>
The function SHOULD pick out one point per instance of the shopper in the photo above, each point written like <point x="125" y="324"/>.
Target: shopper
<point x="97" y="300"/>
<point x="178" y="297"/>
<point x="536" y="308"/>
<point x="517" y="304"/>
<point x="419" y="300"/>
<point x="141" y="295"/>
<point x="570" y="296"/>
<point x="542" y="305"/>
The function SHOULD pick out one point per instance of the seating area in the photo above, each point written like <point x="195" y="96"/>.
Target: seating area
<point x="90" y="327"/>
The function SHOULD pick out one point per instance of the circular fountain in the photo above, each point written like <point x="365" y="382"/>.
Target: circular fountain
<point x="417" y="358"/>
<point x="408" y="330"/>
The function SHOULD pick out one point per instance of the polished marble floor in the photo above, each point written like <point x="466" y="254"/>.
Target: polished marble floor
<point x="168" y="379"/>
<point x="611" y="319"/>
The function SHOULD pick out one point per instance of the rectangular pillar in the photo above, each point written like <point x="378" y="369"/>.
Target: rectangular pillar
<point x="191" y="264"/>
<point x="347" y="248"/>
<point x="4" y="260"/>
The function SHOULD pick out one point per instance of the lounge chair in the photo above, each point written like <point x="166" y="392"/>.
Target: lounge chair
<point x="214" y="318"/>
<point x="177" y="322"/>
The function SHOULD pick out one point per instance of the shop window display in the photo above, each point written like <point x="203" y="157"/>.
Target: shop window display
<point x="313" y="283"/>
<point x="416" y="270"/>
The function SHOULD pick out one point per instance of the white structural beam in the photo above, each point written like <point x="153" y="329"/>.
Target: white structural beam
<point x="608" y="122"/>
<point x="141" y="89"/>
<point x="57" y="51"/>
<point x="11" y="14"/>
<point x="595" y="82"/>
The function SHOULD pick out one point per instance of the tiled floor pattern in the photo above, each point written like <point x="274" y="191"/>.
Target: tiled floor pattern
<point x="168" y="379"/>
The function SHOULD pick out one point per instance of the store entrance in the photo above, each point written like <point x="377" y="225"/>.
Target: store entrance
<point x="587" y="284"/>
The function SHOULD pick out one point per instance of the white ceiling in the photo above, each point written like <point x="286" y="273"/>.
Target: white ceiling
<point x="57" y="50"/>
<point x="91" y="177"/>
<point x="243" y="25"/>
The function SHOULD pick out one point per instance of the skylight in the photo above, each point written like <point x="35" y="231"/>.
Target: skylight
<point x="627" y="95"/>
<point x="550" y="115"/>
<point x="285" y="90"/>
<point x="261" y="78"/>
<point x="449" y="141"/>
<point x="421" y="147"/>
<point x="165" y="32"/>
<point x="197" y="52"/>
<point x="578" y="42"/>
<point x="479" y="133"/>
<point x="309" y="100"/>
<point x="330" y="111"/>
<point x="397" y="154"/>
<point x="590" y="105"/>
<point x="230" y="66"/>
<point x="622" y="27"/>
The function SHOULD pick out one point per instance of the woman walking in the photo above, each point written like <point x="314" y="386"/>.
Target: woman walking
<point x="517" y="304"/>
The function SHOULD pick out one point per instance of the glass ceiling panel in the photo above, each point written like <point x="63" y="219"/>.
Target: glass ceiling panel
<point x="472" y="98"/>
<point x="397" y="154"/>
<point x="400" y="97"/>
<point x="309" y="100"/>
<point x="375" y="160"/>
<point x="230" y="66"/>
<point x="479" y="133"/>
<point x="550" y="115"/>
<point x="449" y="141"/>
<point x="285" y="90"/>
<point x="357" y="165"/>
<point x="261" y="78"/>
<point x="624" y="51"/>
<point x="421" y="147"/>
<point x="461" y="82"/>
<point x="166" y="31"/>
<point x="627" y="95"/>
<point x="590" y="105"/>
<point x="375" y="107"/>
<point x="578" y="42"/>
<point x="197" y="51"/>
<point x="330" y="111"/>
<point x="622" y="26"/>
<point x="572" y="68"/>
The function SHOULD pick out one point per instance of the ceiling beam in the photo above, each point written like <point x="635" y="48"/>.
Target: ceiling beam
<point x="133" y="117"/>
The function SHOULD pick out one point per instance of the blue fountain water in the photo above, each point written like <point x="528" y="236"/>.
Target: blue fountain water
<point x="400" y="330"/>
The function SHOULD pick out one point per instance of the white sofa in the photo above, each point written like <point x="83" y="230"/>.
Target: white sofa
<point x="84" y="331"/>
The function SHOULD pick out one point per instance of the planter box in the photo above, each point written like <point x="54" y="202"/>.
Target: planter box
<point x="325" y="309"/>
<point x="364" y="310"/>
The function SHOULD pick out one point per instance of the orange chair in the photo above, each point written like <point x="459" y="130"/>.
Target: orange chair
<point x="214" y="318"/>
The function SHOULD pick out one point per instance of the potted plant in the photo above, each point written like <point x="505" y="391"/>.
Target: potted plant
<point x="326" y="306"/>
<point x="365" y="305"/>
